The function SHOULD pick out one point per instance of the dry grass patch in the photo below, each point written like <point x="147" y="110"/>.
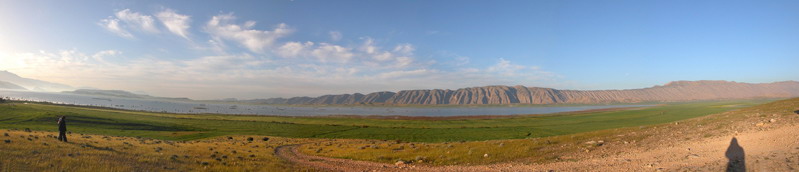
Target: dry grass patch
<point x="40" y="151"/>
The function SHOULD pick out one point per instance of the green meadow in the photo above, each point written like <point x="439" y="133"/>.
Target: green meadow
<point x="19" y="115"/>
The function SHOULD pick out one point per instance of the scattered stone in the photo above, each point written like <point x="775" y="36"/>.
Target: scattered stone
<point x="250" y="139"/>
<point x="400" y="162"/>
<point x="204" y="163"/>
<point x="230" y="138"/>
<point x="772" y="120"/>
<point x="485" y="155"/>
<point x="265" y="139"/>
<point x="590" y="142"/>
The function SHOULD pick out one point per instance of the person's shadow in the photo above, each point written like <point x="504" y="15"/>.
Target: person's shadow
<point x="735" y="155"/>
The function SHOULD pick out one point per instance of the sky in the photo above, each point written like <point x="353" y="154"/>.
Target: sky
<point x="286" y="48"/>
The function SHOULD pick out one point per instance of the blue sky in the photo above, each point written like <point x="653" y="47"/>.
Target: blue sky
<point x="261" y="49"/>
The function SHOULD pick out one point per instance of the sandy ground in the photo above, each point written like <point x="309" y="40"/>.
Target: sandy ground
<point x="775" y="149"/>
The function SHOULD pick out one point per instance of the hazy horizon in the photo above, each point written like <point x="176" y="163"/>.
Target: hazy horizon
<point x="217" y="50"/>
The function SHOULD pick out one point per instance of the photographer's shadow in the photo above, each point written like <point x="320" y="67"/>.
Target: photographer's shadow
<point x="735" y="155"/>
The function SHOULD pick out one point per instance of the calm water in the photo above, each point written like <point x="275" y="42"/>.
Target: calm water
<point x="198" y="107"/>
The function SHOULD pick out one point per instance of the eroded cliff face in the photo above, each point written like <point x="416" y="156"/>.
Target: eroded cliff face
<point x="673" y="91"/>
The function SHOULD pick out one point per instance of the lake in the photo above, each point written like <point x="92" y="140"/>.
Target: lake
<point x="189" y="107"/>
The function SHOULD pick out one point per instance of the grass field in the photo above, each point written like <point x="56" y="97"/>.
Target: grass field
<point x="568" y="147"/>
<point x="189" y="127"/>
<point x="40" y="151"/>
<point x="104" y="139"/>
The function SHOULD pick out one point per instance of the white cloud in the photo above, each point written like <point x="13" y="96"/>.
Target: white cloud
<point x="404" y="61"/>
<point x="335" y="36"/>
<point x="258" y="41"/>
<point x="178" y="24"/>
<point x="404" y="49"/>
<point x="112" y="25"/>
<point x="137" y="20"/>
<point x="100" y="56"/>
<point x="294" y="49"/>
<point x="403" y="73"/>
<point x="505" y="67"/>
<point x="335" y="53"/>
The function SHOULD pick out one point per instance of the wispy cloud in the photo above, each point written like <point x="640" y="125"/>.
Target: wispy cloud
<point x="335" y="36"/>
<point x="178" y="24"/>
<point x="223" y="27"/>
<point x="112" y="25"/>
<point x="137" y="20"/>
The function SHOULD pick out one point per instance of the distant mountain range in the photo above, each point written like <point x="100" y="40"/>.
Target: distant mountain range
<point x="30" y="84"/>
<point x="119" y="93"/>
<point x="12" y="86"/>
<point x="671" y="92"/>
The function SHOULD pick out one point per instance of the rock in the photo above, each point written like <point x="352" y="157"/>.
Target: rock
<point x="250" y="139"/>
<point x="772" y="120"/>
<point x="265" y="139"/>
<point x="7" y="141"/>
<point x="485" y="155"/>
<point x="400" y="162"/>
<point x="760" y="124"/>
<point x="590" y="142"/>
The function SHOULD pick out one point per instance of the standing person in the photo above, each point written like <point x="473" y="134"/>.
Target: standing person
<point x="62" y="128"/>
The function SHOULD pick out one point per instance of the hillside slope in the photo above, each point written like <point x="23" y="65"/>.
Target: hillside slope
<point x="8" y="85"/>
<point x="33" y="84"/>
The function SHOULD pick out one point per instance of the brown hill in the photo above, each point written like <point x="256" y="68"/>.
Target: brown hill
<point x="673" y="91"/>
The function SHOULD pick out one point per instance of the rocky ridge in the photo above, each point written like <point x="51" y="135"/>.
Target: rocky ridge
<point x="673" y="91"/>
